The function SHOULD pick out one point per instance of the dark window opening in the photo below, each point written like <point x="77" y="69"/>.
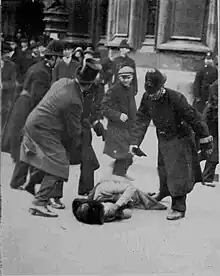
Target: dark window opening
<point x="103" y="17"/>
<point x="151" y="18"/>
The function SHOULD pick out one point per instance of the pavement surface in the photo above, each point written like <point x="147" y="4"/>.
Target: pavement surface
<point x="146" y="244"/>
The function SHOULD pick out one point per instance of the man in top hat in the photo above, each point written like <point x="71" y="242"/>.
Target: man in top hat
<point x="55" y="118"/>
<point x="124" y="60"/>
<point x="36" y="85"/>
<point x="66" y="68"/>
<point x="119" y="108"/>
<point x="175" y="121"/>
<point x="8" y="82"/>
<point x="204" y="78"/>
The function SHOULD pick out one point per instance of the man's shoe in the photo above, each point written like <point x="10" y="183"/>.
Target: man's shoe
<point x="159" y="197"/>
<point x="56" y="203"/>
<point x="42" y="211"/>
<point x="129" y="178"/>
<point x="209" y="184"/>
<point x="175" y="215"/>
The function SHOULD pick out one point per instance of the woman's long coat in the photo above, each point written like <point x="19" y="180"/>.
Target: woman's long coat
<point x="36" y="85"/>
<point x="57" y="115"/>
<point x="116" y="101"/>
<point x="175" y="121"/>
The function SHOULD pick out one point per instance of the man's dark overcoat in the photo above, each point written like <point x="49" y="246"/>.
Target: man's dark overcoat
<point x="64" y="70"/>
<point x="116" y="101"/>
<point x="36" y="85"/>
<point x="174" y="119"/>
<point x="8" y="88"/>
<point x="60" y="110"/>
<point x="211" y="118"/>
<point x="120" y="62"/>
<point x="204" y="78"/>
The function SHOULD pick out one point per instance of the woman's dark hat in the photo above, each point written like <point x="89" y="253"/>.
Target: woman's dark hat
<point x="54" y="48"/>
<point x="124" y="44"/>
<point x="88" y="211"/>
<point x="87" y="73"/>
<point x="155" y="77"/>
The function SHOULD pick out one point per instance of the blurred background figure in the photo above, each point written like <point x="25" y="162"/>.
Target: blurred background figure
<point x="78" y="54"/>
<point x="8" y="85"/>
<point x="66" y="68"/>
<point x="204" y="78"/>
<point x="211" y="118"/>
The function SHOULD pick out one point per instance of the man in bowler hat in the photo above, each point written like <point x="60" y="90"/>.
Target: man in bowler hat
<point x="57" y="117"/>
<point x="124" y="60"/>
<point x="175" y="121"/>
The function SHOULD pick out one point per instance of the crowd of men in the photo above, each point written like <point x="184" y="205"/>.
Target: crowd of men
<point x="51" y="99"/>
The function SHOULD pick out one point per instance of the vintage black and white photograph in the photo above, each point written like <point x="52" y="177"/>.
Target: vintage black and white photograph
<point x="109" y="137"/>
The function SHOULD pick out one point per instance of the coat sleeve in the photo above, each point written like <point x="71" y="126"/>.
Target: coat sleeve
<point x="191" y="116"/>
<point x="197" y="85"/>
<point x="11" y="82"/>
<point x="55" y="74"/>
<point x="108" y="108"/>
<point x="96" y="113"/>
<point x="38" y="89"/>
<point x="141" y="123"/>
<point x="135" y="81"/>
<point x="72" y="119"/>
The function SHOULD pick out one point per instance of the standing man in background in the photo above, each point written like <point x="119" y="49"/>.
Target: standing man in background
<point x="204" y="78"/>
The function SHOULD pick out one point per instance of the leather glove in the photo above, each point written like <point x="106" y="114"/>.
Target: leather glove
<point x="206" y="145"/>
<point x="99" y="130"/>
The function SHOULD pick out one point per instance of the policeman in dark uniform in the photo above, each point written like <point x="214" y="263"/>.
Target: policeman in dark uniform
<point x="204" y="78"/>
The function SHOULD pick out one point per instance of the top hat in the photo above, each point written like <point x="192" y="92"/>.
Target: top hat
<point x="88" y="211"/>
<point x="88" y="71"/>
<point x="126" y="70"/>
<point x="156" y="78"/>
<point x="6" y="48"/>
<point x="54" y="48"/>
<point x="10" y="38"/>
<point x="89" y="50"/>
<point x="124" y="44"/>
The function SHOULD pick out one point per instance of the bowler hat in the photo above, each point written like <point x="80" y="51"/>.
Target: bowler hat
<point x="88" y="211"/>
<point x="155" y="77"/>
<point x="54" y="48"/>
<point x="88" y="71"/>
<point x="124" y="44"/>
<point x="67" y="43"/>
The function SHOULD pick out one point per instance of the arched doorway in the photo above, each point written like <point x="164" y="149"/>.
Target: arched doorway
<point x="29" y="17"/>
